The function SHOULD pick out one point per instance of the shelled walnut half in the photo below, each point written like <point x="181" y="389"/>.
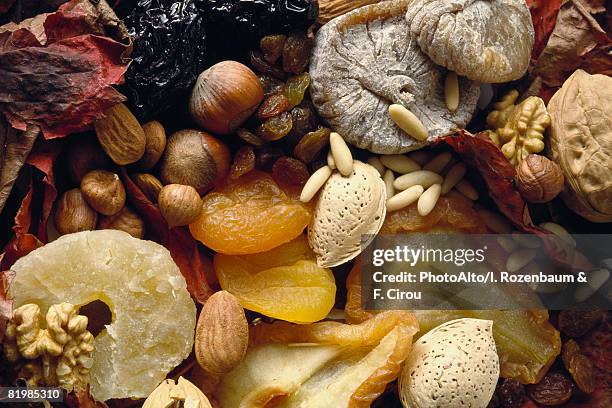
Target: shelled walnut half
<point x="60" y="355"/>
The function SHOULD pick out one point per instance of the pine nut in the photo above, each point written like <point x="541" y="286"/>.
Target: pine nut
<point x="408" y="122"/>
<point x="597" y="278"/>
<point x="559" y="231"/>
<point x="508" y="244"/>
<point x="404" y="199"/>
<point x="451" y="91"/>
<point x="527" y="240"/>
<point x="466" y="188"/>
<point x="376" y="163"/>
<point x="330" y="160"/>
<point x="388" y="178"/>
<point x="495" y="222"/>
<point x="400" y="163"/>
<point x="314" y="183"/>
<point x="438" y="163"/>
<point x="455" y="174"/>
<point x="520" y="258"/>
<point x="341" y="154"/>
<point x="428" y="200"/>
<point x="420" y="177"/>
<point x="420" y="156"/>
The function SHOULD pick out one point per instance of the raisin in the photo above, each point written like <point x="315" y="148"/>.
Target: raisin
<point x="272" y="47"/>
<point x="266" y="156"/>
<point x="554" y="389"/>
<point x="250" y="137"/>
<point x="295" y="88"/>
<point x="244" y="161"/>
<point x="304" y="121"/>
<point x="287" y="170"/>
<point x="311" y="144"/>
<point x="272" y="106"/>
<point x="271" y="85"/>
<point x="296" y="53"/>
<point x="569" y="350"/>
<point x="581" y="369"/>
<point x="275" y="128"/>
<point x="576" y="323"/>
<point x="511" y="393"/>
<point x="261" y="65"/>
<point x="494" y="403"/>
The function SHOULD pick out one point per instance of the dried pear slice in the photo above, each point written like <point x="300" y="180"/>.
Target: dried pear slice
<point x="153" y="315"/>
<point x="365" y="61"/>
<point x="484" y="40"/>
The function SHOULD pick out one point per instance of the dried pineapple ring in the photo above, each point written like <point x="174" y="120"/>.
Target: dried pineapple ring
<point x="153" y="315"/>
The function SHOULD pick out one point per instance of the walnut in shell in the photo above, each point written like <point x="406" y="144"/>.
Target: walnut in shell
<point x="484" y="40"/>
<point x="365" y="61"/>
<point x="347" y="208"/>
<point x="581" y="143"/>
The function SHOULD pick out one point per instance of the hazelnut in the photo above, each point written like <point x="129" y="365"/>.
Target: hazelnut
<point x="194" y="158"/>
<point x="125" y="220"/>
<point x="73" y="214"/>
<point x="85" y="155"/>
<point x="155" y="136"/>
<point x="538" y="179"/>
<point x="179" y="204"/>
<point x="103" y="191"/>
<point x="224" y="96"/>
<point x="149" y="185"/>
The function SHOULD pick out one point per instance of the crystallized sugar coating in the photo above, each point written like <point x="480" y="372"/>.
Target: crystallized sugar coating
<point x="485" y="40"/>
<point x="365" y="61"/>
<point x="153" y="320"/>
<point x="454" y="365"/>
<point x="347" y="208"/>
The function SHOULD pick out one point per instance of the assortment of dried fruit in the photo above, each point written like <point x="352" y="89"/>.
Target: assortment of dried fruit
<point x="260" y="147"/>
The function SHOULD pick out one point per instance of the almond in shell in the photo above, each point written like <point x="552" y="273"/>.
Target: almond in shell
<point x="120" y="135"/>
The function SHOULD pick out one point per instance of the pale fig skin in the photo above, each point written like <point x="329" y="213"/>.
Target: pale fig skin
<point x="222" y="334"/>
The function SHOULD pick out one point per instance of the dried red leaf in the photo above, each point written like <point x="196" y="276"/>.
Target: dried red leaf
<point x="83" y="399"/>
<point x="6" y="306"/>
<point x="58" y="68"/>
<point x="544" y="16"/>
<point x="195" y="267"/>
<point x="5" y="5"/>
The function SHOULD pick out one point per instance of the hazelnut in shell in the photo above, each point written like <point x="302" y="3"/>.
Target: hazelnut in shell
<point x="538" y="179"/>
<point x="155" y="136"/>
<point x="224" y="96"/>
<point x="125" y="220"/>
<point x="149" y="185"/>
<point x="73" y="214"/>
<point x="85" y="155"/>
<point x="103" y="191"/>
<point x="179" y="205"/>
<point x="194" y="158"/>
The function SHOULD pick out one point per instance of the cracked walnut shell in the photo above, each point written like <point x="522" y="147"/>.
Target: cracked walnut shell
<point x="365" y="61"/>
<point x="485" y="40"/>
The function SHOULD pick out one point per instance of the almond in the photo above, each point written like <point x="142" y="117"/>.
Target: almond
<point x="120" y="135"/>
<point x="222" y="334"/>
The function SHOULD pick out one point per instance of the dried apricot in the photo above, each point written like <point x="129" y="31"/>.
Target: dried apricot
<point x="249" y="215"/>
<point x="283" y="283"/>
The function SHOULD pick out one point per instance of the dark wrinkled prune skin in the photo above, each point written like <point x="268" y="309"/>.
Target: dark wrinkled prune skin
<point x="170" y="51"/>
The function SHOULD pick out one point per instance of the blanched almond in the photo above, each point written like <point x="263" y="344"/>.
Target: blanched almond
<point x="314" y="183"/>
<point x="454" y="176"/>
<point x="404" y="199"/>
<point x="423" y="178"/>
<point x="341" y="154"/>
<point x="389" y="178"/>
<point x="408" y="122"/>
<point x="400" y="163"/>
<point x="427" y="201"/>
<point x="438" y="163"/>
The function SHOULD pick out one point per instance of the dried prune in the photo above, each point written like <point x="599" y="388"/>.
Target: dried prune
<point x="296" y="53"/>
<point x="511" y="393"/>
<point x="266" y="156"/>
<point x="275" y="128"/>
<point x="261" y="65"/>
<point x="244" y="161"/>
<point x="170" y="51"/>
<point x="287" y="170"/>
<point x="250" y="137"/>
<point x="554" y="389"/>
<point x="271" y="85"/>
<point x="581" y="369"/>
<point x="569" y="350"/>
<point x="311" y="144"/>
<point x="272" y="106"/>
<point x="304" y="121"/>
<point x="296" y="87"/>
<point x="576" y="323"/>
<point x="272" y="47"/>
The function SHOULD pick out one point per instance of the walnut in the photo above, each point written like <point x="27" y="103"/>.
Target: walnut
<point x="519" y="129"/>
<point x="538" y="179"/>
<point x="60" y="354"/>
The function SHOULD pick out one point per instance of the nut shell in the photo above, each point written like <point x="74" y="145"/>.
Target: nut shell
<point x="538" y="179"/>
<point x="347" y="208"/>
<point x="73" y="214"/>
<point x="149" y="185"/>
<point x="155" y="136"/>
<point x="120" y="135"/>
<point x="103" y="191"/>
<point x="224" y="96"/>
<point x="125" y="220"/>
<point x="179" y="204"/>
<point x="222" y="334"/>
